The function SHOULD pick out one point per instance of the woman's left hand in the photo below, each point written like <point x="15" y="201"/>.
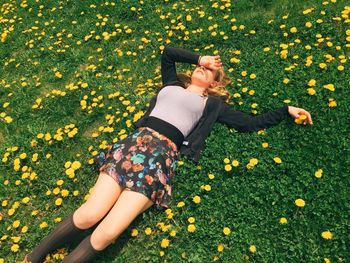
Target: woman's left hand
<point x="296" y="112"/>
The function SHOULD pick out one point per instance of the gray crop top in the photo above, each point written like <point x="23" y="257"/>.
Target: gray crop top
<point x="180" y="107"/>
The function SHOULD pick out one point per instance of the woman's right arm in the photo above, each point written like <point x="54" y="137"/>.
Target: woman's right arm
<point x="169" y="57"/>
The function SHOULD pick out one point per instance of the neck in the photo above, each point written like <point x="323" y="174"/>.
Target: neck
<point x="197" y="89"/>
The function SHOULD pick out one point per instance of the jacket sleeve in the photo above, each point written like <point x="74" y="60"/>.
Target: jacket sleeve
<point x="169" y="57"/>
<point x="243" y="122"/>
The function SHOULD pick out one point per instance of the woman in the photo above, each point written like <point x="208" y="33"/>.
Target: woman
<point x="177" y="121"/>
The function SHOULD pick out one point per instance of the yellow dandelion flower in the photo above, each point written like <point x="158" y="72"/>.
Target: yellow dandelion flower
<point x="277" y="160"/>
<point x="300" y="119"/>
<point x="311" y="91"/>
<point x="164" y="243"/>
<point x="24" y="229"/>
<point x="227" y="231"/>
<point x="253" y="161"/>
<point x="293" y="29"/>
<point x="235" y="163"/>
<point x="226" y="160"/>
<point x="318" y="173"/>
<point x="134" y="232"/>
<point x="43" y="225"/>
<point x="228" y="167"/>
<point x="16" y="239"/>
<point x="35" y="212"/>
<point x="76" y="165"/>
<point x="322" y="65"/>
<point x="191" y="228"/>
<point x="191" y="219"/>
<point x="14" y="247"/>
<point x="299" y="202"/>
<point x="11" y="211"/>
<point x="235" y="60"/>
<point x="265" y="145"/>
<point x="283" y="53"/>
<point x="196" y="199"/>
<point x="58" y="74"/>
<point x="58" y="201"/>
<point x="327" y="234"/>
<point x="311" y="82"/>
<point x="220" y="247"/>
<point x="59" y="182"/>
<point x="252" y="248"/>
<point x="308" y="24"/>
<point x="67" y="164"/>
<point x="329" y="87"/>
<point x="64" y="192"/>
<point x="283" y="220"/>
<point x="56" y="190"/>
<point x="168" y="211"/>
<point x="211" y="176"/>
<point x="16" y="223"/>
<point x="207" y="187"/>
<point x="332" y="103"/>
<point x="70" y="172"/>
<point x="25" y="200"/>
<point x="180" y="204"/>
<point x="148" y="231"/>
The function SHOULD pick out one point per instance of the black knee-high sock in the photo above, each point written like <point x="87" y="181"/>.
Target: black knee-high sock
<point x="64" y="231"/>
<point x="83" y="253"/>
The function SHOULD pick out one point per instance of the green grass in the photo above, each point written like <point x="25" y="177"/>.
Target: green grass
<point x="248" y="201"/>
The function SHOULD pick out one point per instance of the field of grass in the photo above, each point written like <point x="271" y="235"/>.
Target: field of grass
<point x="76" y="75"/>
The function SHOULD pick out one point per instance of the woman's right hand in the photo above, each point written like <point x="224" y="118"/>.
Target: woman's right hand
<point x="211" y="62"/>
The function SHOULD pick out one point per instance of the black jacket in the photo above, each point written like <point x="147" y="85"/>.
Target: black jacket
<point x="216" y="109"/>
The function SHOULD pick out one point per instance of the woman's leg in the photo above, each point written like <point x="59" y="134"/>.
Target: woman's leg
<point x="129" y="205"/>
<point x="104" y="195"/>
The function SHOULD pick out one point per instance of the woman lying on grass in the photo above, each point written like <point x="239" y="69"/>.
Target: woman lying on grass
<point x="137" y="171"/>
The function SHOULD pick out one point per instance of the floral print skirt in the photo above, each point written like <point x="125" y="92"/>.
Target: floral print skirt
<point x="144" y="162"/>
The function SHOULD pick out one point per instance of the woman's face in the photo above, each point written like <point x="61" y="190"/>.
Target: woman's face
<point x="203" y="76"/>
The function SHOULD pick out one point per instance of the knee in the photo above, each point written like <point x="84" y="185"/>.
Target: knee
<point x="102" y="237"/>
<point x="85" y="218"/>
<point x="108" y="233"/>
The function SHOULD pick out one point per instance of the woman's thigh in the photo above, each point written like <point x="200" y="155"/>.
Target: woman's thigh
<point x="129" y="205"/>
<point x="105" y="193"/>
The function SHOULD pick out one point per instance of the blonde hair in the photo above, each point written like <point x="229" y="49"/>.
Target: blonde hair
<point x="219" y="90"/>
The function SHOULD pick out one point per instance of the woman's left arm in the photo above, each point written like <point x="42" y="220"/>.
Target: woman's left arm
<point x="169" y="57"/>
<point x="244" y="122"/>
